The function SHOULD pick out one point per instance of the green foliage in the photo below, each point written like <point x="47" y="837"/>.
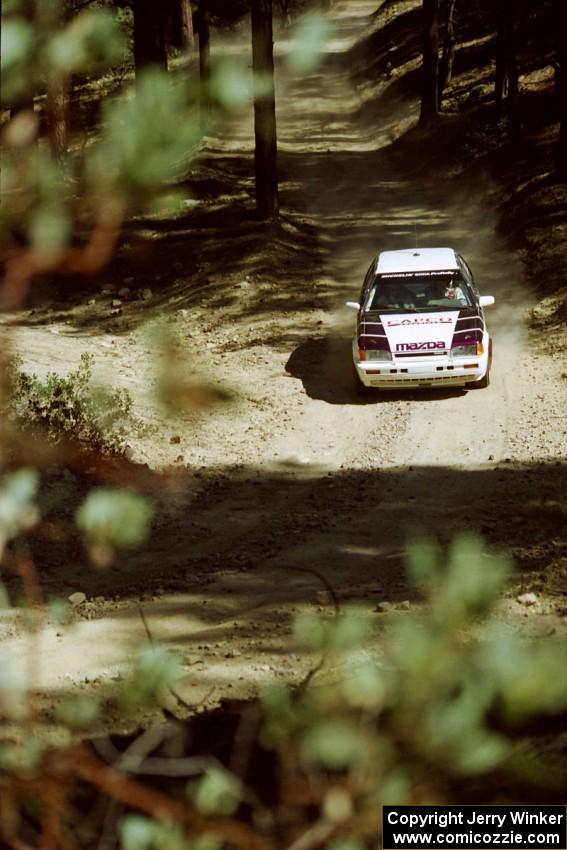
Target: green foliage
<point x="177" y="387"/>
<point x="154" y="671"/>
<point x="119" y="519"/>
<point x="59" y="611"/>
<point x="141" y="833"/>
<point x="462" y="593"/>
<point x="58" y="407"/>
<point x="4" y="598"/>
<point x="78" y="711"/>
<point x="24" y="755"/>
<point x="13" y="690"/>
<point x="17" y="45"/>
<point x="17" y="509"/>
<point x="444" y="699"/>
<point x="527" y="676"/>
<point x="91" y="42"/>
<point x="230" y="84"/>
<point x="323" y="633"/>
<point x="147" y="135"/>
<point x="310" y="36"/>
<point x="37" y="44"/>
<point x="336" y="744"/>
<point x="218" y="792"/>
<point x="146" y="140"/>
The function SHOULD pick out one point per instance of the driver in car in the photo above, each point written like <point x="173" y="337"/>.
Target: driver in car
<point x="441" y="291"/>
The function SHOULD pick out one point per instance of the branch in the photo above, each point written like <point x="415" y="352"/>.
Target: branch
<point x="137" y="796"/>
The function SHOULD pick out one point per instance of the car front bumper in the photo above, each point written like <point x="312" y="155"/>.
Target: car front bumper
<point x="408" y="373"/>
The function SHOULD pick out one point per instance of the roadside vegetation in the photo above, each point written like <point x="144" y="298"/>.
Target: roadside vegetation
<point x="105" y="109"/>
<point x="70" y="408"/>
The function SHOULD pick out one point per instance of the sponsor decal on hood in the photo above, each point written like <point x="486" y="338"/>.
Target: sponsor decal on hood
<point x="419" y="332"/>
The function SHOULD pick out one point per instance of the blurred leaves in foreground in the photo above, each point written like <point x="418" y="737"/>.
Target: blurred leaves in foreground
<point x="113" y="519"/>
<point x="444" y="705"/>
<point x="18" y="511"/>
<point x="445" y="698"/>
<point x="177" y="387"/>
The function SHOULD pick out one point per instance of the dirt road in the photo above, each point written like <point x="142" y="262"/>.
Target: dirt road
<point x="296" y="473"/>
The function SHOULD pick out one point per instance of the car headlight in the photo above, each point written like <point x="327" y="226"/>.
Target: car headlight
<point x="464" y="351"/>
<point x="375" y="355"/>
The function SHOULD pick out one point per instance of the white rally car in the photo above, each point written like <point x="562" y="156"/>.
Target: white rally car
<point x="421" y="323"/>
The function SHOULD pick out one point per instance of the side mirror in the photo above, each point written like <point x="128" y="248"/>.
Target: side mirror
<point x="354" y="305"/>
<point x="486" y="300"/>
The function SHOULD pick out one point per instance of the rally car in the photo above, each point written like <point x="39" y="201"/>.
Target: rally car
<point x="421" y="323"/>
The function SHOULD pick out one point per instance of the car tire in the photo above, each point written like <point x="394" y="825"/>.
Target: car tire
<point x="482" y="384"/>
<point x="361" y="390"/>
<point x="485" y="380"/>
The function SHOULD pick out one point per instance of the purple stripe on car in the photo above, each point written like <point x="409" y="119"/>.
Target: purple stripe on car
<point x="473" y="332"/>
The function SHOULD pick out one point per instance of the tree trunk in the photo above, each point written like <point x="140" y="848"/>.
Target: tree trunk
<point x="180" y="25"/>
<point x="558" y="24"/>
<point x="506" y="84"/>
<point x="187" y="35"/>
<point x="150" y="46"/>
<point x="502" y="53"/>
<point x="265" y="154"/>
<point x="57" y="99"/>
<point x="1" y="19"/>
<point x="448" y="56"/>
<point x="57" y="115"/>
<point x="561" y="70"/>
<point x="562" y="151"/>
<point x="430" y="68"/>
<point x="204" y="60"/>
<point x="514" y="93"/>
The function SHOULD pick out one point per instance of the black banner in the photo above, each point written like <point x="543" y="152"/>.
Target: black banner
<point x="479" y="827"/>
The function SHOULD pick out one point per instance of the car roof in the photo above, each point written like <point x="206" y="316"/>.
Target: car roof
<point x="417" y="260"/>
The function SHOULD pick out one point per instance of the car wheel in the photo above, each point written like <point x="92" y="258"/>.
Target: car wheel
<point x="482" y="384"/>
<point x="485" y="380"/>
<point x="360" y="389"/>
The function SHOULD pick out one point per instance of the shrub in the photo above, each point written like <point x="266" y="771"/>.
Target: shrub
<point x="69" y="407"/>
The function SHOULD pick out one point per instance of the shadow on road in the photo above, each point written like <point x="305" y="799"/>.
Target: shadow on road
<point x="354" y="523"/>
<point x="324" y="366"/>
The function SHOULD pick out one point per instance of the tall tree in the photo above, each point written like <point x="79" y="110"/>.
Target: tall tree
<point x="57" y="113"/>
<point x="448" y="53"/>
<point x="265" y="153"/>
<point x="186" y="14"/>
<point x="150" y="46"/>
<point x="561" y="83"/>
<point x="430" y="65"/>
<point x="58" y="92"/>
<point x="506" y="84"/>
<point x="180" y="25"/>
<point x="504" y="50"/>
<point x="203" y="26"/>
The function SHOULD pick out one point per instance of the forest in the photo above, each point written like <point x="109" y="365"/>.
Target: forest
<point x="246" y="601"/>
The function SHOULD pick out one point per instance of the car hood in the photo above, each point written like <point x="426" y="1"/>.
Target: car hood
<point x="406" y="332"/>
<point x="434" y="329"/>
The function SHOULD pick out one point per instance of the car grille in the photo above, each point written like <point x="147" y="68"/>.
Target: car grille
<point x="421" y="354"/>
<point x="444" y="378"/>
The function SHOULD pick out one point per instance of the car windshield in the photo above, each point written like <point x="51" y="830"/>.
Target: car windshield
<point x="418" y="293"/>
